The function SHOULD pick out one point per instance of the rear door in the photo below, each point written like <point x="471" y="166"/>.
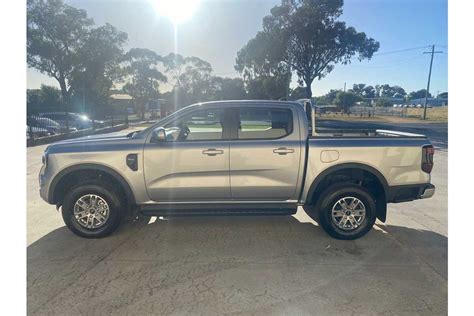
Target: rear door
<point x="264" y="153"/>
<point x="193" y="163"/>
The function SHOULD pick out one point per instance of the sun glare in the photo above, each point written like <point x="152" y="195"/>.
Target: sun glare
<point x="176" y="10"/>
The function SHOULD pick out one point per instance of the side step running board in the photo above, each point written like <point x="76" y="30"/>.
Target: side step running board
<point x="216" y="210"/>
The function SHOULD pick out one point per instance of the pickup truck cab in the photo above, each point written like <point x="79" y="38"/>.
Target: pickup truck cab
<point x="237" y="157"/>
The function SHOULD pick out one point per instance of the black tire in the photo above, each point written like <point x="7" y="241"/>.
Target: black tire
<point x="321" y="212"/>
<point x="105" y="192"/>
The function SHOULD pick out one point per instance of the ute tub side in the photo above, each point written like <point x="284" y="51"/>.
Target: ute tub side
<point x="393" y="158"/>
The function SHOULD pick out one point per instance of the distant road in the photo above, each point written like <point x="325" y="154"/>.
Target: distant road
<point x="436" y="132"/>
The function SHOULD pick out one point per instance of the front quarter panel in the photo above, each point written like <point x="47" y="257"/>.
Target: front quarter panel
<point x="107" y="153"/>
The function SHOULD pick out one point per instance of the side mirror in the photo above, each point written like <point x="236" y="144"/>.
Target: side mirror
<point x="158" y="135"/>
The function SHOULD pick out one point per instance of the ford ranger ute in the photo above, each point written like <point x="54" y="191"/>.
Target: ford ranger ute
<point x="237" y="158"/>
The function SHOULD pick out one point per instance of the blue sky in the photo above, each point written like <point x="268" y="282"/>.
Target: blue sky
<point x="219" y="29"/>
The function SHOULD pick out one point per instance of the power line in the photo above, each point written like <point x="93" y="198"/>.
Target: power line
<point x="394" y="64"/>
<point x="401" y="50"/>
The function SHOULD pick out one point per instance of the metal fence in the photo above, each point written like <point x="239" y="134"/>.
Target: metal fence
<point x="368" y="111"/>
<point x="46" y="122"/>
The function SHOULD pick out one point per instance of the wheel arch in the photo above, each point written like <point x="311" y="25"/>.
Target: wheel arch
<point x="355" y="171"/>
<point x="63" y="174"/>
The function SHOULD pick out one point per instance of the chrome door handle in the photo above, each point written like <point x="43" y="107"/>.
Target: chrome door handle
<point x="283" y="151"/>
<point x="212" y="152"/>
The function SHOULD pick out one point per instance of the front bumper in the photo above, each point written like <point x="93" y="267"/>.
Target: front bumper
<point x="405" y="193"/>
<point x="43" y="179"/>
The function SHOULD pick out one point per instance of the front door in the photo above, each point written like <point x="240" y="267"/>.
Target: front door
<point x="265" y="153"/>
<point x="193" y="163"/>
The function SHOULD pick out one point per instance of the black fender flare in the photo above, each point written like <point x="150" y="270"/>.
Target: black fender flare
<point x="381" y="205"/>
<point x="91" y="166"/>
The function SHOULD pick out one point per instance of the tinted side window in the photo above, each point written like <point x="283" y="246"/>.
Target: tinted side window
<point x="199" y="125"/>
<point x="264" y="123"/>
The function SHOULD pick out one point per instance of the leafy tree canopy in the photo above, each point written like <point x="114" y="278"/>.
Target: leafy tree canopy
<point x="363" y="90"/>
<point x="443" y="95"/>
<point x="387" y="91"/>
<point x="304" y="36"/>
<point x="228" y="89"/>
<point x="47" y="98"/>
<point x="418" y="94"/>
<point x="327" y="99"/>
<point x="143" y="76"/>
<point x="346" y="99"/>
<point x="62" y="43"/>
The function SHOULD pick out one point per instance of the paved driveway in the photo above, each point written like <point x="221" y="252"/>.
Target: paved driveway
<point x="240" y="265"/>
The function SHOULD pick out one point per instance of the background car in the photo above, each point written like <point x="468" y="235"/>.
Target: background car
<point x="37" y="132"/>
<point x="76" y="120"/>
<point x="44" y="122"/>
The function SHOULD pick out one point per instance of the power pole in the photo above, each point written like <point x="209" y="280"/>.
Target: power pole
<point x="344" y="99"/>
<point x="429" y="78"/>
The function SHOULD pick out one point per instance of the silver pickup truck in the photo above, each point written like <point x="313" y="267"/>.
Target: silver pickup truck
<point x="237" y="158"/>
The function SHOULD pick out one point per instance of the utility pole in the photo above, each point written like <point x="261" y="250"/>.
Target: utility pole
<point x="429" y="78"/>
<point x="344" y="99"/>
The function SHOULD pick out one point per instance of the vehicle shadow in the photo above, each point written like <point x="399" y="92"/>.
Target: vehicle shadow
<point x="191" y="247"/>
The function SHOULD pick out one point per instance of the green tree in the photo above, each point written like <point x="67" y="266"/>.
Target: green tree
<point x="228" y="89"/>
<point x="47" y="98"/>
<point x="196" y="80"/>
<point x="298" y="93"/>
<point x="418" y="94"/>
<point x="260" y="63"/>
<point x="143" y="77"/>
<point x="192" y="79"/>
<point x="55" y="32"/>
<point x="363" y="90"/>
<point x="62" y="43"/>
<point x="174" y="64"/>
<point x="267" y="87"/>
<point x="98" y="67"/>
<point x="443" y="95"/>
<point x="306" y="37"/>
<point x="346" y="100"/>
<point x="327" y="99"/>
<point x="358" y="88"/>
<point x="387" y="91"/>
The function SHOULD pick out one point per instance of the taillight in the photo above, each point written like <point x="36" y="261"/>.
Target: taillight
<point x="427" y="158"/>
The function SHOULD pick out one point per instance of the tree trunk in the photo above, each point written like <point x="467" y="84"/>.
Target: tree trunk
<point x="309" y="93"/>
<point x="65" y="97"/>
<point x="142" y="111"/>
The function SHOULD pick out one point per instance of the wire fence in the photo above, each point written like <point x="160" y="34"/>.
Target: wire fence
<point x="46" y="122"/>
<point x="368" y="111"/>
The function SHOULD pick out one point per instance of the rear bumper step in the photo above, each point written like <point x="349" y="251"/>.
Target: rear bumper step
<point x="405" y="193"/>
<point x="429" y="192"/>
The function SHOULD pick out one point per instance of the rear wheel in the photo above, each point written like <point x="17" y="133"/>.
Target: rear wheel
<point x="92" y="210"/>
<point x="345" y="211"/>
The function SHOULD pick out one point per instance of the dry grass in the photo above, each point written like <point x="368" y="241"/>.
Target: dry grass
<point x="433" y="114"/>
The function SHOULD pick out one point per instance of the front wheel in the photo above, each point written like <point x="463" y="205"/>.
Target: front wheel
<point x="92" y="210"/>
<point x="345" y="211"/>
